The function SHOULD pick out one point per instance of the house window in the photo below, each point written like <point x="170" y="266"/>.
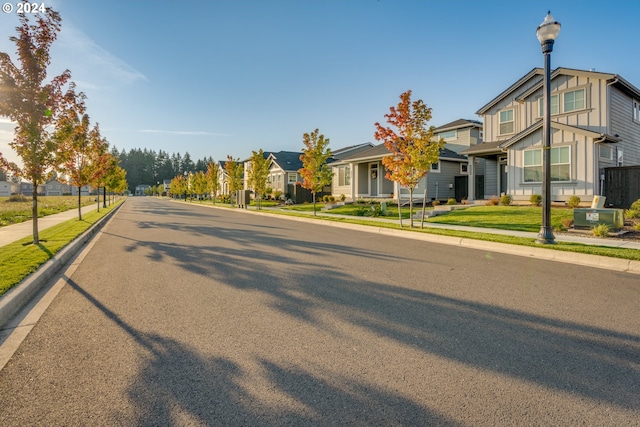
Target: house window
<point x="636" y="111"/>
<point x="291" y="177"/>
<point x="554" y="105"/>
<point x="606" y="152"/>
<point x="452" y="134"/>
<point x="435" y="167"/>
<point x="464" y="168"/>
<point x="344" y="176"/>
<point x="560" y="164"/>
<point x="507" y="124"/>
<point x="574" y="100"/>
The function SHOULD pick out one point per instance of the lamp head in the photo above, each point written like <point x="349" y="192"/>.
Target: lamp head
<point x="548" y="30"/>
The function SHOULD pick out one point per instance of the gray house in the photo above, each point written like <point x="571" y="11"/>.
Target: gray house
<point x="362" y="175"/>
<point x="595" y="124"/>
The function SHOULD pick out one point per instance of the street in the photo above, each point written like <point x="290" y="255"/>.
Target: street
<point x="185" y="315"/>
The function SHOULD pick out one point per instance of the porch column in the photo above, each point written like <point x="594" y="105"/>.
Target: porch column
<point x="353" y="181"/>
<point x="471" y="182"/>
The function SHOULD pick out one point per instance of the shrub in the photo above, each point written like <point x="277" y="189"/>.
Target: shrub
<point x="567" y="223"/>
<point x="573" y="202"/>
<point x="18" y="198"/>
<point x="325" y="198"/>
<point x="535" y="199"/>
<point x="493" y="201"/>
<point x="451" y="201"/>
<point x="435" y="203"/>
<point x="343" y="197"/>
<point x="637" y="227"/>
<point x="601" y="230"/>
<point x="631" y="213"/>
<point x="636" y="205"/>
<point x="376" y="211"/>
<point x="361" y="211"/>
<point x="332" y="199"/>
<point x="505" y="200"/>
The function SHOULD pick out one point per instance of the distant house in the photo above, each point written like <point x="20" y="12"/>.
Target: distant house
<point x="53" y="188"/>
<point x="142" y="189"/>
<point x="595" y="124"/>
<point x="7" y="188"/>
<point x="284" y="170"/>
<point x="85" y="190"/>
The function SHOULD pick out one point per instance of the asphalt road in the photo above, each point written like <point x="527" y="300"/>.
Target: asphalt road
<point x="185" y="315"/>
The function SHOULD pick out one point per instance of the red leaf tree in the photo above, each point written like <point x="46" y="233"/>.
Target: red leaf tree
<point x="411" y="143"/>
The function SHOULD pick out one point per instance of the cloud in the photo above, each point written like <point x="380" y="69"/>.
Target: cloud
<point x="182" y="132"/>
<point x="91" y="62"/>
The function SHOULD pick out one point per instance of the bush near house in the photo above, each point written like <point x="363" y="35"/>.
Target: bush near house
<point x="573" y="202"/>
<point x="535" y="199"/>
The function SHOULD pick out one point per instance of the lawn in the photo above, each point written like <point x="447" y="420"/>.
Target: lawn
<point x="21" y="258"/>
<point x="357" y="209"/>
<point x="13" y="212"/>
<point x="520" y="218"/>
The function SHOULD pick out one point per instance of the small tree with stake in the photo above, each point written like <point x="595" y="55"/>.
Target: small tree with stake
<point x="412" y="145"/>
<point x="315" y="171"/>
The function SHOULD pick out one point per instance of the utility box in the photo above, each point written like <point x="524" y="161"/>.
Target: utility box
<point x="589" y="218"/>
<point x="243" y="198"/>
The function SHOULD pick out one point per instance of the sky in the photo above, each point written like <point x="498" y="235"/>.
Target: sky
<point x="227" y="77"/>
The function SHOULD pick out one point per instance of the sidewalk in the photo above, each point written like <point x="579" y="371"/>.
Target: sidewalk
<point x="15" y="232"/>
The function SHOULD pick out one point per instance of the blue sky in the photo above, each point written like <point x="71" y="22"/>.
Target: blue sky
<point x="214" y="78"/>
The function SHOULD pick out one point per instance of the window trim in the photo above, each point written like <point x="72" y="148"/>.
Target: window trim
<point x="464" y="166"/>
<point x="344" y="175"/>
<point x="636" y="110"/>
<point x="438" y="167"/>
<point x="584" y="100"/>
<point x="558" y="181"/>
<point x="512" y="121"/>
<point x="449" y="138"/>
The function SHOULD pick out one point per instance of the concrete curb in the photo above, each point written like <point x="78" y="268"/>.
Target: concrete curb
<point x="16" y="298"/>
<point x="597" y="261"/>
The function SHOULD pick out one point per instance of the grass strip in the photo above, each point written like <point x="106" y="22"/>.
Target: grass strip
<point x="19" y="259"/>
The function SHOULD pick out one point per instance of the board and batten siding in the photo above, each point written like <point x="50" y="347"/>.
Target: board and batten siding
<point x="465" y="138"/>
<point x="622" y="124"/>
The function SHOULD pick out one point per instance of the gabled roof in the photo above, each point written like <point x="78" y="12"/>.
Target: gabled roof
<point x="495" y="147"/>
<point x="380" y="151"/>
<point x="613" y="79"/>
<point x="287" y="160"/>
<point x="457" y="124"/>
<point x="531" y="74"/>
<point x="349" y="151"/>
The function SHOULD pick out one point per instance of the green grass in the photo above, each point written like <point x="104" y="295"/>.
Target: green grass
<point x="354" y="209"/>
<point x="519" y="218"/>
<point x="21" y="258"/>
<point x="12" y="212"/>
<point x="623" y="253"/>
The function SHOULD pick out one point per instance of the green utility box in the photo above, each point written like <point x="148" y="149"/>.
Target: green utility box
<point x="589" y="218"/>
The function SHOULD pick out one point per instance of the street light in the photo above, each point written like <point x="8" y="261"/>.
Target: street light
<point x="547" y="33"/>
<point x="185" y="186"/>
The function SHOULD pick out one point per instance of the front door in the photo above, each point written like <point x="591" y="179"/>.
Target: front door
<point x="373" y="180"/>
<point x="503" y="175"/>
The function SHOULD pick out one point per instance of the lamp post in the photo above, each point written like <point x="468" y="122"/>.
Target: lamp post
<point x="185" y="186"/>
<point x="547" y="33"/>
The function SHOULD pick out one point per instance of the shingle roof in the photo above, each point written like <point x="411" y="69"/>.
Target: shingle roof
<point x="458" y="124"/>
<point x="287" y="160"/>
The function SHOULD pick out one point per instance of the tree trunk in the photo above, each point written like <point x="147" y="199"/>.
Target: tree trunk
<point x="314" y="202"/>
<point x="79" y="203"/>
<point x="424" y="206"/>
<point x="34" y="214"/>
<point x="98" y="199"/>
<point x="104" y="197"/>
<point x="410" y="207"/>
<point x="399" y="208"/>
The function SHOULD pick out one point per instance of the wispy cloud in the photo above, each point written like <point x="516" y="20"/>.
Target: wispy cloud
<point x="182" y="132"/>
<point x="91" y="62"/>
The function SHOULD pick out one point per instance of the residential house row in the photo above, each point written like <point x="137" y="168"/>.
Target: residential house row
<point x="50" y="188"/>
<point x="595" y="125"/>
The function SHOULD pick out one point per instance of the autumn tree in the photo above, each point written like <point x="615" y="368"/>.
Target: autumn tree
<point x="178" y="186"/>
<point x="258" y="175"/>
<point x="412" y="145"/>
<point x="30" y="102"/>
<point x="213" y="180"/>
<point x="116" y="180"/>
<point x="315" y="171"/>
<point x="199" y="183"/>
<point x="235" y="174"/>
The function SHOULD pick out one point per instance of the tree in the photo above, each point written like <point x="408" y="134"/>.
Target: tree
<point x="315" y="172"/>
<point x="412" y="145"/>
<point x="30" y="102"/>
<point x="258" y="174"/>
<point x="235" y="172"/>
<point x="213" y="179"/>
<point x="178" y="186"/>
<point x="199" y="183"/>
